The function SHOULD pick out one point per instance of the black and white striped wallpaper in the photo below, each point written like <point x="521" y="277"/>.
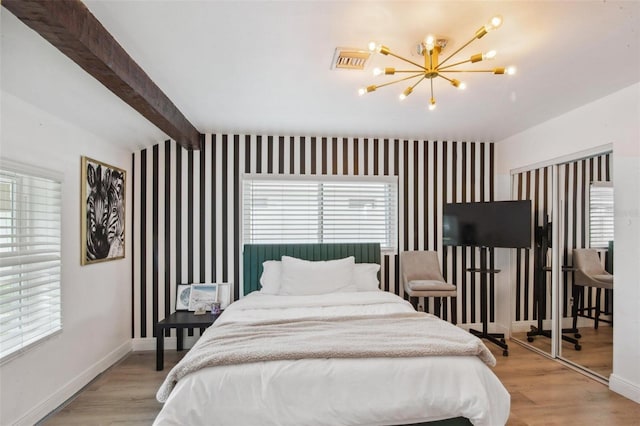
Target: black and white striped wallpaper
<point x="186" y="209"/>
<point x="573" y="186"/>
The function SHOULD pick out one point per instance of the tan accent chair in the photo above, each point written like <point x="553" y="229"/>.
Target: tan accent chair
<point x="421" y="277"/>
<point x="589" y="272"/>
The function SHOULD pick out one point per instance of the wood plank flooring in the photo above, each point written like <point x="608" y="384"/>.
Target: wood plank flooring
<point x="596" y="353"/>
<point x="543" y="392"/>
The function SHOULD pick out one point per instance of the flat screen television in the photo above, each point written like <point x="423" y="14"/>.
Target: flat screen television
<point x="487" y="224"/>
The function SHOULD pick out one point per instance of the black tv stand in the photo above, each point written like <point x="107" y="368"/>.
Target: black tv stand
<point x="542" y="240"/>
<point x="495" y="338"/>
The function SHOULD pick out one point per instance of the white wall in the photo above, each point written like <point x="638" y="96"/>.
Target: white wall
<point x="614" y="119"/>
<point x="96" y="299"/>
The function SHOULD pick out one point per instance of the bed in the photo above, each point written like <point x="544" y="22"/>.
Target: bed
<point x="337" y="358"/>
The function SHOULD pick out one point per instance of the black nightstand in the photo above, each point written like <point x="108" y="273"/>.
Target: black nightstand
<point x="179" y="320"/>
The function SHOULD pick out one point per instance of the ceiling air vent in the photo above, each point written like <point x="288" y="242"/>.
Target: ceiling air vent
<point x="350" y="58"/>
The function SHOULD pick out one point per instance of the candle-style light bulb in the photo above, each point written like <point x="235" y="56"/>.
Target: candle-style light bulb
<point x="489" y="55"/>
<point x="429" y="42"/>
<point x="494" y="23"/>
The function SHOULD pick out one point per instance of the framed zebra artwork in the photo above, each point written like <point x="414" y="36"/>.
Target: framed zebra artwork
<point x="102" y="211"/>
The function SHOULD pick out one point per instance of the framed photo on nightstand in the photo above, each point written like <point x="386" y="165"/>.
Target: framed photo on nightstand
<point x="182" y="297"/>
<point x="202" y="296"/>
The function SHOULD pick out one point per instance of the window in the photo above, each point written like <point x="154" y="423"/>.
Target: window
<point x="600" y="214"/>
<point x="327" y="209"/>
<point x="29" y="258"/>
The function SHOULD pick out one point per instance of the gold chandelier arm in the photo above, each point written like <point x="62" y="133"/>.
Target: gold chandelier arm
<point x="452" y="65"/>
<point x="432" y="101"/>
<point x="455" y="83"/>
<point x="418" y="82"/>
<point x="446" y="78"/>
<point x="459" y="49"/>
<point x="406" y="60"/>
<point x="399" y="80"/>
<point x="491" y="70"/>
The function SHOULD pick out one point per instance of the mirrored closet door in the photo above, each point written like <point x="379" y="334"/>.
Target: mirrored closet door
<point x="570" y="257"/>
<point x="586" y="243"/>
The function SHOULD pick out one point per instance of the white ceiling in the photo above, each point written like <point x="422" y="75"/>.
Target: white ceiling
<point x="264" y="67"/>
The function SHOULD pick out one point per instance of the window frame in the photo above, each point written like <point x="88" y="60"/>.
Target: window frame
<point x="28" y="171"/>
<point x="320" y="179"/>
<point x="599" y="184"/>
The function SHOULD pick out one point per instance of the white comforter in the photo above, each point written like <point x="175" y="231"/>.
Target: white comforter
<point x="373" y="391"/>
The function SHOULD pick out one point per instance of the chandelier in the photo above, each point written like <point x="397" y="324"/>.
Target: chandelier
<point x="433" y="68"/>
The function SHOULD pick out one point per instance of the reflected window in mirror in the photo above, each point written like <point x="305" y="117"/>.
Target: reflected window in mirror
<point x="600" y="214"/>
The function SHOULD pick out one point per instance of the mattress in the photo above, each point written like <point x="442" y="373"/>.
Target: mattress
<point x="335" y="391"/>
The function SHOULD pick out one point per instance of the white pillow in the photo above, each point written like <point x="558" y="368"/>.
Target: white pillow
<point x="365" y="276"/>
<point x="303" y="277"/>
<point x="270" y="278"/>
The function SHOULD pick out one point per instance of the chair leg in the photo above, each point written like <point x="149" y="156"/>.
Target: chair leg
<point x="597" y="316"/>
<point x="414" y="302"/>
<point x="454" y="311"/>
<point x="576" y="302"/>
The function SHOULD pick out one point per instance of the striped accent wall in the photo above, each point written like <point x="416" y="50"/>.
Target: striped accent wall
<point x="187" y="209"/>
<point x="573" y="185"/>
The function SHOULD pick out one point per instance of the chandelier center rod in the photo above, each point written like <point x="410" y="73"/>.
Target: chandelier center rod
<point x="431" y="61"/>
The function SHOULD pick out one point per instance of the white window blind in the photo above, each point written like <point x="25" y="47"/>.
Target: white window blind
<point x="29" y="259"/>
<point x="327" y="209"/>
<point x="600" y="214"/>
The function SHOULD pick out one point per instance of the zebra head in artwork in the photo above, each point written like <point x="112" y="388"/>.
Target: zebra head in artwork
<point x="98" y="212"/>
<point x="115" y="222"/>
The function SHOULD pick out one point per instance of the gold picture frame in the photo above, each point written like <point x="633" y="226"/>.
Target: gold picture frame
<point x="102" y="212"/>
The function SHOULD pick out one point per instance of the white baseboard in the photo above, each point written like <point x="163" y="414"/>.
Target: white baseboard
<point x="624" y="388"/>
<point x="47" y="406"/>
<point x="149" y="343"/>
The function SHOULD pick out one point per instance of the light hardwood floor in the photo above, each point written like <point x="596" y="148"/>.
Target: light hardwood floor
<point x="596" y="352"/>
<point x="543" y="392"/>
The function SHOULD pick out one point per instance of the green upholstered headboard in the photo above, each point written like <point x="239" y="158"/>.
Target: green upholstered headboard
<point x="254" y="254"/>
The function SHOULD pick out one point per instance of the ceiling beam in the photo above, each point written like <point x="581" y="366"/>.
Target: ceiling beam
<point x="72" y="29"/>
